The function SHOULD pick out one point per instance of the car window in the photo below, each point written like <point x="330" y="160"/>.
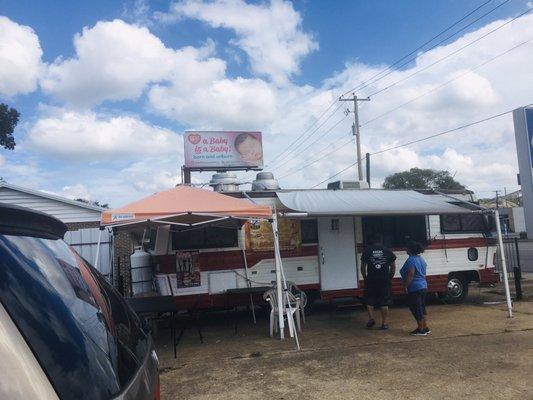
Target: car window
<point x="82" y="332"/>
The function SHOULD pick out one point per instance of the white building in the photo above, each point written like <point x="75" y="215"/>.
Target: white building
<point x="75" y="214"/>
<point x="82" y="220"/>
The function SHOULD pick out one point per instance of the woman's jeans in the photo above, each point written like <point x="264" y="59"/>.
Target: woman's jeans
<point x="417" y="304"/>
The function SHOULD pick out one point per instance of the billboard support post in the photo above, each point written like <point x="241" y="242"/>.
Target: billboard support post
<point x="185" y="175"/>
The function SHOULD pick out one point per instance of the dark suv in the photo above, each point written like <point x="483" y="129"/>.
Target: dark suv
<point x="64" y="331"/>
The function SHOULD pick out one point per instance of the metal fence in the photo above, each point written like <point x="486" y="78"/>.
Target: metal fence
<point x="85" y="242"/>
<point x="512" y="257"/>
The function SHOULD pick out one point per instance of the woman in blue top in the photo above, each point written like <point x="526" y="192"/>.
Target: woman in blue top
<point x="413" y="275"/>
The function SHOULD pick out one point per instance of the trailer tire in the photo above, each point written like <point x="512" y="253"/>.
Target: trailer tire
<point x="456" y="289"/>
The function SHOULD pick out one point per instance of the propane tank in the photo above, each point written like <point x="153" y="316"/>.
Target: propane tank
<point x="141" y="271"/>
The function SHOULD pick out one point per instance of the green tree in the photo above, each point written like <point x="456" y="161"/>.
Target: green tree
<point x="9" y="117"/>
<point x="93" y="203"/>
<point x="417" y="178"/>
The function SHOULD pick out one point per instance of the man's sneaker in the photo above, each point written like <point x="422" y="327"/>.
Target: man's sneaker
<point x="370" y="323"/>
<point x="418" y="332"/>
<point x="427" y="330"/>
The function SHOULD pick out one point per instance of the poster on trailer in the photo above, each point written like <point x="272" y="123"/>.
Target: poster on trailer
<point x="223" y="149"/>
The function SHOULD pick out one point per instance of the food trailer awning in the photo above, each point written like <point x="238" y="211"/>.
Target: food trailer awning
<point x="184" y="206"/>
<point x="370" y="202"/>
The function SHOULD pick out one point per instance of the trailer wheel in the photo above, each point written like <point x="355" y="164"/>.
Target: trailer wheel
<point x="456" y="289"/>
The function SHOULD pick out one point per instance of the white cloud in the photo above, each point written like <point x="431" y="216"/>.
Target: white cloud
<point x="20" y="58"/>
<point x="270" y="33"/>
<point x="217" y="104"/>
<point x="89" y="137"/>
<point x="193" y="88"/>
<point x="152" y="175"/>
<point x="114" y="61"/>
<point x="482" y="156"/>
<point x="77" y="191"/>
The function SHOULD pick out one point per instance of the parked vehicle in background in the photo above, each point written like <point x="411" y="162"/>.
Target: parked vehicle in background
<point x="65" y="333"/>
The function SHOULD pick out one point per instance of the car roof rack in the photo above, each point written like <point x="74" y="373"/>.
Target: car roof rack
<point x="21" y="221"/>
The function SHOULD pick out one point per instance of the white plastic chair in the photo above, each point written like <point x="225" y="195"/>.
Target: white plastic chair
<point x="300" y="295"/>
<point x="272" y="297"/>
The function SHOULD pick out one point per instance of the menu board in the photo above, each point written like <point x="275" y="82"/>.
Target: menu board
<point x="259" y="235"/>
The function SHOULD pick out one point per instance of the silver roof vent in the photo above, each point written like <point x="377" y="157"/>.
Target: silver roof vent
<point x="265" y="181"/>
<point x="224" y="182"/>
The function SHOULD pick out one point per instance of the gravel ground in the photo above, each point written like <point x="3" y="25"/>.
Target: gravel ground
<point x="474" y="352"/>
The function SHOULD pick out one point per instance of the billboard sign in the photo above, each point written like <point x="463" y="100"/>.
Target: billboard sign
<point x="212" y="150"/>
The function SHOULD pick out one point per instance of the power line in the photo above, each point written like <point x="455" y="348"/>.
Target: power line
<point x="446" y="83"/>
<point x="318" y="159"/>
<point x="442" y="133"/>
<point x="338" y="173"/>
<point x="418" y="141"/>
<point x="272" y="163"/>
<point x="315" y="141"/>
<point x="450" y="54"/>
<point x="390" y="67"/>
<point x="370" y="80"/>
<point x="432" y="90"/>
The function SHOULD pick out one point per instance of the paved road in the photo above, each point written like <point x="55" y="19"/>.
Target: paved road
<point x="526" y="255"/>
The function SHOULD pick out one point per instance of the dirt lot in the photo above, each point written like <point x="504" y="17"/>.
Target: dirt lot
<point x="474" y="352"/>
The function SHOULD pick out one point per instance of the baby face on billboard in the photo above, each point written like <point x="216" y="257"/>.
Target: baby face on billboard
<point x="249" y="147"/>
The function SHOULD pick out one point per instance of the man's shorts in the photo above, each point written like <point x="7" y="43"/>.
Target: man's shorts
<point x="378" y="293"/>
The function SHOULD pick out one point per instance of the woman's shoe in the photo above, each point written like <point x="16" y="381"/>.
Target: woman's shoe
<point x="418" y="332"/>
<point x="370" y="323"/>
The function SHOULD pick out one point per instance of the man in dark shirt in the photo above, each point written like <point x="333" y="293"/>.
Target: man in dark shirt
<point x="377" y="268"/>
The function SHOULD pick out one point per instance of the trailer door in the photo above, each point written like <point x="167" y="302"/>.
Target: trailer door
<point x="337" y="253"/>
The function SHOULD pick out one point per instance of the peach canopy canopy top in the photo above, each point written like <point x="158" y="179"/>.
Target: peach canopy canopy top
<point x="183" y="204"/>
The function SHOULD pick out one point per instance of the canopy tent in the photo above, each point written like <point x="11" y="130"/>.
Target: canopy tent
<point x="370" y="202"/>
<point x="186" y="207"/>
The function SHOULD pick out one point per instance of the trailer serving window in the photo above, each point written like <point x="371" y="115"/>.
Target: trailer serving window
<point x="210" y="237"/>
<point x="465" y="223"/>
<point x="309" y="230"/>
<point x="396" y="231"/>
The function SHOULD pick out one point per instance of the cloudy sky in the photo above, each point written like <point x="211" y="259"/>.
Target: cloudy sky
<point x="107" y="88"/>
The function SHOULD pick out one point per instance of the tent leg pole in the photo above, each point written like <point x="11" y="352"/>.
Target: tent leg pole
<point x="249" y="284"/>
<point x="504" y="265"/>
<point x="282" y="281"/>
<point x="97" y="256"/>
<point x="290" y="318"/>
<point x="278" y="276"/>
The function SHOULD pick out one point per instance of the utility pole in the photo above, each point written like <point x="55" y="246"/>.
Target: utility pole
<point x="497" y="199"/>
<point x="505" y="197"/>
<point x="356" y="131"/>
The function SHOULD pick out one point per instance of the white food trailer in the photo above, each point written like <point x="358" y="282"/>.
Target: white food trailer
<point x="322" y="234"/>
